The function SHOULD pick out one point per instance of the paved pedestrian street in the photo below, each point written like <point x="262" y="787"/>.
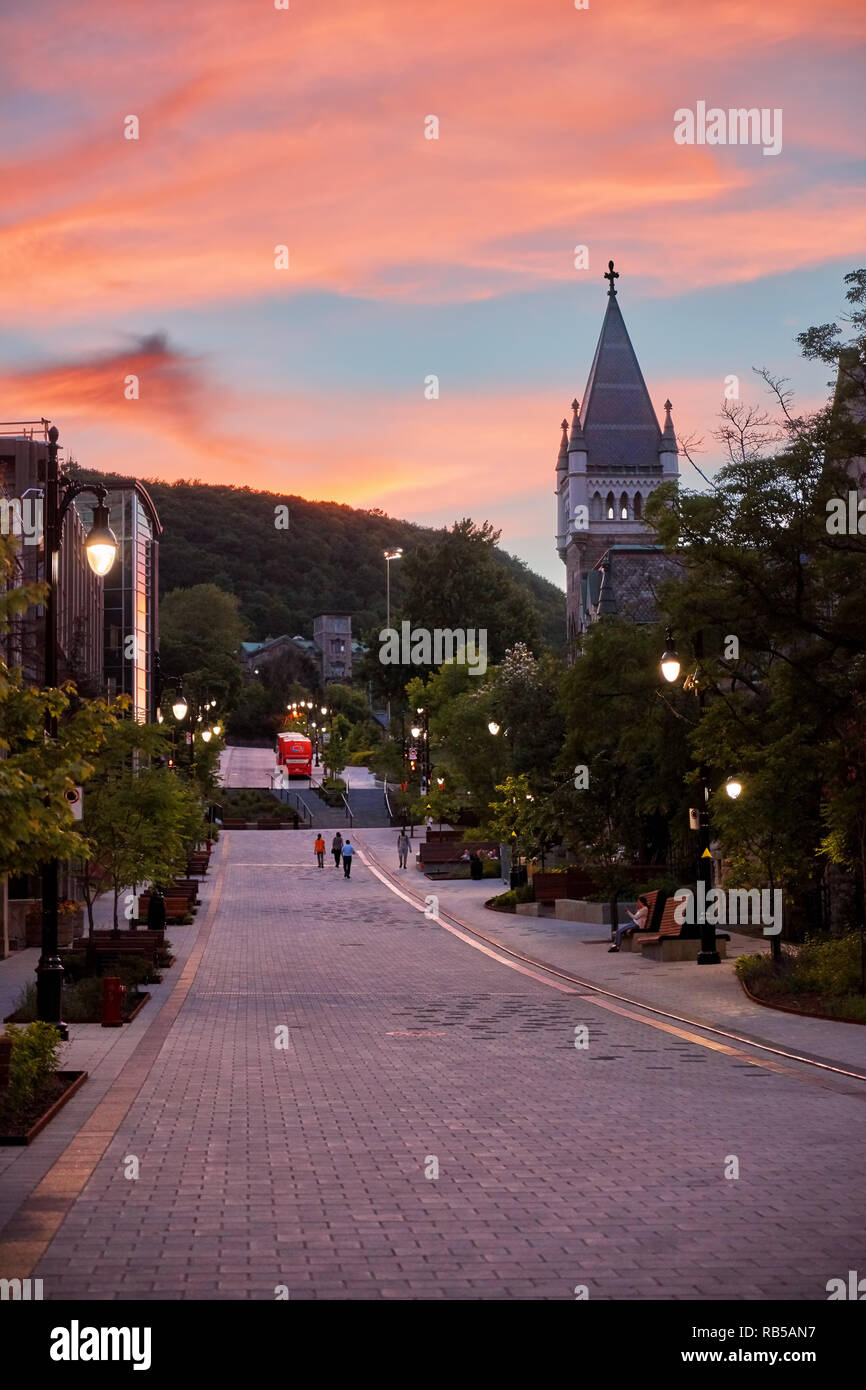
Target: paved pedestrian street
<point x="346" y="1099"/>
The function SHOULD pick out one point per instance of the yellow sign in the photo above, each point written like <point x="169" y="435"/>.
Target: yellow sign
<point x="706" y="854"/>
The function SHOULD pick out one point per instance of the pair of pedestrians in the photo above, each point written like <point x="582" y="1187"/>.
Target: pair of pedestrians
<point x="341" y="851"/>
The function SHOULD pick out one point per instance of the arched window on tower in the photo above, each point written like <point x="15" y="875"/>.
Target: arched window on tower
<point x="638" y="506"/>
<point x="623" y="507"/>
<point x="609" y="507"/>
<point x="595" y="511"/>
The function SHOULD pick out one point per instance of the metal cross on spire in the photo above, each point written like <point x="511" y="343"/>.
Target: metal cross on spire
<point x="611" y="275"/>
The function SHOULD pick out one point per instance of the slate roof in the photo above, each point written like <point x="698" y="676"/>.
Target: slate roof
<point x="620" y="426"/>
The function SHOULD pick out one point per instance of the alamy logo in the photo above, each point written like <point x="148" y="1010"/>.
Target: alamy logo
<point x="21" y="517"/>
<point x="855" y="1288"/>
<point x="846" y="520"/>
<point x="720" y="908"/>
<point x="736" y="126"/>
<point x="20" y="1290"/>
<point x="421" y="646"/>
<point x="76" y="1343"/>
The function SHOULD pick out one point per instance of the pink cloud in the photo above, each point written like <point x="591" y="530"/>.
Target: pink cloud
<point x="306" y="127"/>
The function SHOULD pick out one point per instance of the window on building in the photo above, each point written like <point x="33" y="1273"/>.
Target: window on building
<point x="638" y="506"/>
<point x="595" y="512"/>
<point x="623" y="507"/>
<point x="609" y="505"/>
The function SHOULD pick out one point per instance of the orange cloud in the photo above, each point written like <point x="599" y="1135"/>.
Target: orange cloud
<point x="306" y="128"/>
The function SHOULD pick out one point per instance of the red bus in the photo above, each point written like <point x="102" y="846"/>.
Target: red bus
<point x="295" y="754"/>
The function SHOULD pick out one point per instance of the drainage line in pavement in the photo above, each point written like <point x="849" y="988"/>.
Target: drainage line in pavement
<point x="407" y="893"/>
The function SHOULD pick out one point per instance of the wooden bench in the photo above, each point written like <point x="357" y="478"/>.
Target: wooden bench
<point x="672" y="940"/>
<point x="198" y="863"/>
<point x="439" y="858"/>
<point x="635" y="939"/>
<point x="143" y="940"/>
<point x="176" y="908"/>
<point x="188" y="887"/>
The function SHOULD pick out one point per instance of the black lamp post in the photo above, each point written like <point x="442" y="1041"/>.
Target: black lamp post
<point x="422" y="731"/>
<point x="101" y="543"/>
<point x="670" y="669"/>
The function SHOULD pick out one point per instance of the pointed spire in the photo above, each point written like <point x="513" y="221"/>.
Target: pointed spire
<point x="562" y="460"/>
<point x="668" y="442"/>
<point x="611" y="275"/>
<point x="577" y="443"/>
<point x="619" y="422"/>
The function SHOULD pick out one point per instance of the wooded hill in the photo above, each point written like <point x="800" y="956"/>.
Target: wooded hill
<point x="329" y="559"/>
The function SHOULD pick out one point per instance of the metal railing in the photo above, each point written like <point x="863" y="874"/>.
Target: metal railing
<point x="349" y="814"/>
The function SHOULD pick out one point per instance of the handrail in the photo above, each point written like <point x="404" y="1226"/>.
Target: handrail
<point x="348" y="811"/>
<point x="388" y="802"/>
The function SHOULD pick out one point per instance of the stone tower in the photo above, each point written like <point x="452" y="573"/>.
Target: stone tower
<point x="610" y="460"/>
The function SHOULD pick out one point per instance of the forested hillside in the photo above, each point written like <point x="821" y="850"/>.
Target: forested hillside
<point x="329" y="559"/>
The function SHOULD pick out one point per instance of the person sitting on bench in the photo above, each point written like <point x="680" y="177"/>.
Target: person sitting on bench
<point x="639" y="922"/>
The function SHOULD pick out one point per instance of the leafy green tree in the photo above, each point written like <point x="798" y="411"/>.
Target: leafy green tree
<point x="336" y="750"/>
<point x="36" y="823"/>
<point x="201" y="631"/>
<point x="455" y="581"/>
<point x="775" y="591"/>
<point x="140" y="818"/>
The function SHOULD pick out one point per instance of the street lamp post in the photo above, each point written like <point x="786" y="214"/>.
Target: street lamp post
<point x="101" y="544"/>
<point x="670" y="669"/>
<point x="389" y="556"/>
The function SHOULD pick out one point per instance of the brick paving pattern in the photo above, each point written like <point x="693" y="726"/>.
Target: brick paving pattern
<point x="558" y="1167"/>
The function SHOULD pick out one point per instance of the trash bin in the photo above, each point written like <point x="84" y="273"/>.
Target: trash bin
<point x="517" y="877"/>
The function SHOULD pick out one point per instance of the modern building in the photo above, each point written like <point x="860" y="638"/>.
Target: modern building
<point x="611" y="459"/>
<point x="131" y="598"/>
<point x="332" y="636"/>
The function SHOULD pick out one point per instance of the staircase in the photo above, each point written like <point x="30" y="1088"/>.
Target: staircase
<point x="368" y="807"/>
<point x="324" y="817"/>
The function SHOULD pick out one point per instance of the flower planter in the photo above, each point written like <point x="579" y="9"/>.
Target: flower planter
<point x="74" y="1080"/>
<point x="70" y="926"/>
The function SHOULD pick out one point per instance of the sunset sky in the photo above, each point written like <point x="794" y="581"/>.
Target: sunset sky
<point x="408" y="257"/>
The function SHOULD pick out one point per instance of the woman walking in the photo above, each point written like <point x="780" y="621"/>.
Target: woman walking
<point x="337" y="849"/>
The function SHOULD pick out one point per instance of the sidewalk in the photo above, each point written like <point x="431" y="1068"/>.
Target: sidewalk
<point x="101" y="1052"/>
<point x="710" y="996"/>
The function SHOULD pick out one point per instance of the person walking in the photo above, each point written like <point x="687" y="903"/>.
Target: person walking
<point x="403" y="843"/>
<point x="320" y="850"/>
<point x="337" y="849"/>
<point x="348" y="851"/>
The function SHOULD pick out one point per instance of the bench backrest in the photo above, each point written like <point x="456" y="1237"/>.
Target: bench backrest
<point x="453" y="853"/>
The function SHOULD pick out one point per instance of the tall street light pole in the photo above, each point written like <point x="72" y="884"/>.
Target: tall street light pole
<point x="389" y="556"/>
<point x="101" y="545"/>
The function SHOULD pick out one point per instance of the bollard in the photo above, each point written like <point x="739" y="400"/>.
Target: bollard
<point x="112" y="1002"/>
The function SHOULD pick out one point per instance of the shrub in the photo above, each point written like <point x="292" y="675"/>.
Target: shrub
<point x="34" y="1059"/>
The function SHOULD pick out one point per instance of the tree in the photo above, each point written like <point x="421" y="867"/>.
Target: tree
<point x="140" y="819"/>
<point x="455" y="581"/>
<point x="201" y="631"/>
<point x="776" y="593"/>
<point x="36" y="822"/>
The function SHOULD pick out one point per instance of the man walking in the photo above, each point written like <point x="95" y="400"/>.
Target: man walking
<point x="403" y="848"/>
<point x="337" y="849"/>
<point x="320" y="850"/>
<point x="348" y="851"/>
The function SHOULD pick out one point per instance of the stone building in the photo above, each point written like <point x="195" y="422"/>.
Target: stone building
<point x="611" y="459"/>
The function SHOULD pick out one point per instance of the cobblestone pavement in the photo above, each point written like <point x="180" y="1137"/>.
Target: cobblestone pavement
<point x="409" y="1054"/>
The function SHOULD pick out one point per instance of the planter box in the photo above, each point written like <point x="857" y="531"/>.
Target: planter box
<point x="75" y="1079"/>
<point x="598" y="914"/>
<point x="70" y="927"/>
